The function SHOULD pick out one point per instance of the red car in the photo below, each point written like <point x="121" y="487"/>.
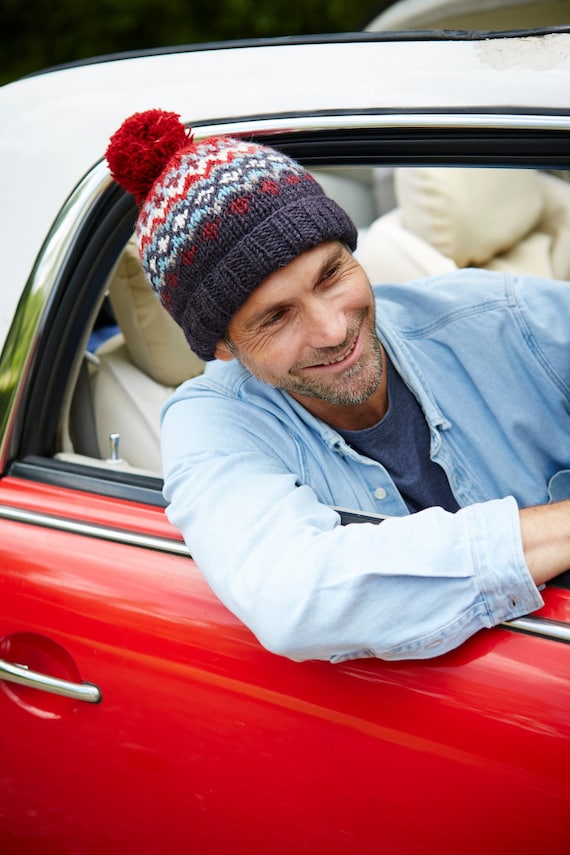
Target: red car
<point x="138" y="715"/>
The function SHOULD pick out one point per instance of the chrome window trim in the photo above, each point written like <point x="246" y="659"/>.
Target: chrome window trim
<point x="94" y="530"/>
<point x="21" y="343"/>
<point x="372" y="121"/>
<point x="529" y="625"/>
<point x="545" y="627"/>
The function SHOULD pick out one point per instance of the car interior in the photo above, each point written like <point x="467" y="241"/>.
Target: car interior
<point x="413" y="222"/>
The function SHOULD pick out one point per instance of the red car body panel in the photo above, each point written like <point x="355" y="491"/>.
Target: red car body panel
<point x="204" y="742"/>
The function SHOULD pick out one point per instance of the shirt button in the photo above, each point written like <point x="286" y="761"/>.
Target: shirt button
<point x="380" y="493"/>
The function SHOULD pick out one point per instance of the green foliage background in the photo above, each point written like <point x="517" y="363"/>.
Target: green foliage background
<point x="36" y="34"/>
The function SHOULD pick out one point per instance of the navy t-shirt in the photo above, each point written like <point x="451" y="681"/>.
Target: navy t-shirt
<point x="400" y="442"/>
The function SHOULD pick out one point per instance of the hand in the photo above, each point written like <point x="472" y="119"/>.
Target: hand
<point x="546" y="540"/>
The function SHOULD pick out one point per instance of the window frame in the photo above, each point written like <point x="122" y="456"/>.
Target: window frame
<point x="98" y="219"/>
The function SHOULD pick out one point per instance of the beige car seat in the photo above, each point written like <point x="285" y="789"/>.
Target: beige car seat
<point x="139" y="368"/>
<point x="499" y="219"/>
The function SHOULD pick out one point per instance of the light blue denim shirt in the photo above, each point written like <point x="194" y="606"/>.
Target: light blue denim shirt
<point x="250" y="475"/>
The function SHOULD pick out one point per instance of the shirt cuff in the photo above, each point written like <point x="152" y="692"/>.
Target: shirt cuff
<point x="504" y="579"/>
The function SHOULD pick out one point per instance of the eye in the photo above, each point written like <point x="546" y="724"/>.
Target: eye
<point x="331" y="271"/>
<point x="274" y="319"/>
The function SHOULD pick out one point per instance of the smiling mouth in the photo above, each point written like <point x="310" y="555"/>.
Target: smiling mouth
<point x="340" y="358"/>
<point x="334" y="361"/>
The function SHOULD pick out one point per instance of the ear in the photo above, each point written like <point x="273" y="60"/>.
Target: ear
<point x="223" y="352"/>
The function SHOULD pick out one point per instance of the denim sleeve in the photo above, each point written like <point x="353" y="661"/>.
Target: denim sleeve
<point x="309" y="588"/>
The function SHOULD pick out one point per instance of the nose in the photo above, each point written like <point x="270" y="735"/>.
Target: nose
<point x="326" y="324"/>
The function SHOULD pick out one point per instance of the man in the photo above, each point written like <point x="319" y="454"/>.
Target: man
<point x="442" y="406"/>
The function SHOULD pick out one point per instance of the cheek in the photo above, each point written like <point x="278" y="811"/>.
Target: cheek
<point x="268" y="358"/>
<point x="356" y="304"/>
<point x="363" y="293"/>
<point x="279" y="356"/>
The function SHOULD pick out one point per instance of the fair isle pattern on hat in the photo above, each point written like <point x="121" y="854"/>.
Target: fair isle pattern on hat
<point x="224" y="216"/>
<point x="215" y="179"/>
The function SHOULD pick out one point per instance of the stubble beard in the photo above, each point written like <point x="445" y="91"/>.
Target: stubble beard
<point x="355" y="386"/>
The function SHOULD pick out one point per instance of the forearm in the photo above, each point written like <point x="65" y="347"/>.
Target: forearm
<point x="545" y="534"/>
<point x="411" y="588"/>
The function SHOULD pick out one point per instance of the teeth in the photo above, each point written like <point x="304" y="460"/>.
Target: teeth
<point x="340" y="358"/>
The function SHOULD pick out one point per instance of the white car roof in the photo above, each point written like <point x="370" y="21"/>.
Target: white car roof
<point x="56" y="126"/>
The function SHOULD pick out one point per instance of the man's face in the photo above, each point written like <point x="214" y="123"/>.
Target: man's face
<point x="309" y="329"/>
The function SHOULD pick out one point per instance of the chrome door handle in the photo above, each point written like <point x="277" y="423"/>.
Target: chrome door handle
<point x="11" y="673"/>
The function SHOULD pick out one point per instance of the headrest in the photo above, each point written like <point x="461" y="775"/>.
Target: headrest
<point x="469" y="215"/>
<point x="155" y="343"/>
<point x="390" y="253"/>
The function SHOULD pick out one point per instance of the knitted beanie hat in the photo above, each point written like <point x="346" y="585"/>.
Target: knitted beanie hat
<point x="217" y="217"/>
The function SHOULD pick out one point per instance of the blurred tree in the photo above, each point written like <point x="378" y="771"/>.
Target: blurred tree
<point x="36" y="34"/>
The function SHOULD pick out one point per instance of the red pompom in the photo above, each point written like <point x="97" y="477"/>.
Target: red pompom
<point x="142" y="147"/>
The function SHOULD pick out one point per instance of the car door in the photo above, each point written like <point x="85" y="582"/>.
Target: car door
<point x="139" y="715"/>
<point x="201" y="739"/>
